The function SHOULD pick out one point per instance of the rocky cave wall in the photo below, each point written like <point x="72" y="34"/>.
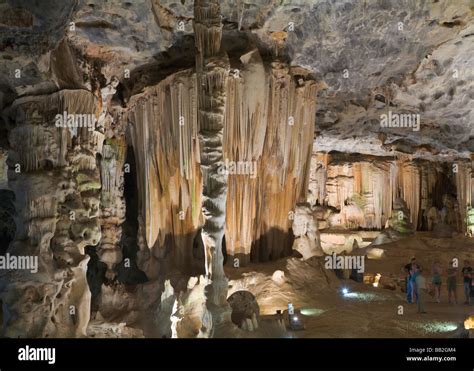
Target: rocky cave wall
<point x="362" y="190"/>
<point x="268" y="134"/>
<point x="68" y="197"/>
<point x="54" y="174"/>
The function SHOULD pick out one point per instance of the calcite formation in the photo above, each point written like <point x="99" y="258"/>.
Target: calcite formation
<point x="147" y="148"/>
<point x="363" y="191"/>
<point x="245" y="310"/>
<point x="56" y="180"/>
<point x="264" y="102"/>
<point x="306" y="230"/>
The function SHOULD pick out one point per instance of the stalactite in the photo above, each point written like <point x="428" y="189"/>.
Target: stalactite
<point x="409" y="188"/>
<point x="267" y="104"/>
<point x="277" y="172"/>
<point x="464" y="191"/>
<point x="370" y="186"/>
<point x="318" y="178"/>
<point x="360" y="185"/>
<point x="112" y="203"/>
<point x="164" y="137"/>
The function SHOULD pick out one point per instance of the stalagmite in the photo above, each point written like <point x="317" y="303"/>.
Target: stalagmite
<point x="181" y="168"/>
<point x="212" y="68"/>
<point x="112" y="203"/>
<point x="305" y="229"/>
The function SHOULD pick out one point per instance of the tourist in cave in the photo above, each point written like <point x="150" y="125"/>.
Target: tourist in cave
<point x="410" y="268"/>
<point x="415" y="271"/>
<point x="421" y="290"/>
<point x="436" y="280"/>
<point x="452" y="283"/>
<point x="467" y="280"/>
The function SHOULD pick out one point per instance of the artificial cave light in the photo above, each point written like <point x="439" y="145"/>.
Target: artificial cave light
<point x="377" y="280"/>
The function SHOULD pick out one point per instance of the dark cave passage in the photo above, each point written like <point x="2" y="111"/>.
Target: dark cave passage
<point x="7" y="223"/>
<point x="127" y="271"/>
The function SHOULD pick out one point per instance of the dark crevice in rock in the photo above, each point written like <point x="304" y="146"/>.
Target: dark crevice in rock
<point x="128" y="272"/>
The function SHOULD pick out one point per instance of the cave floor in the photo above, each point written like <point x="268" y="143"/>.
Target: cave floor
<point x="366" y="311"/>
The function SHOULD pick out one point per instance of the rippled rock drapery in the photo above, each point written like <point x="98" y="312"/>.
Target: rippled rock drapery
<point x="183" y="137"/>
<point x="266" y="102"/>
<point x="168" y="174"/>
<point x="269" y="124"/>
<point x="363" y="190"/>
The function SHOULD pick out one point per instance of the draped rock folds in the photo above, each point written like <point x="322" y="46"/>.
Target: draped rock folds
<point x="164" y="137"/>
<point x="362" y="190"/>
<point x="268" y="126"/>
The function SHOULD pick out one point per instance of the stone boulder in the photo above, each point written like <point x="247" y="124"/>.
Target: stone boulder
<point x="245" y="309"/>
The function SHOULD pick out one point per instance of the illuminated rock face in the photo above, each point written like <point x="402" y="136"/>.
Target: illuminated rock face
<point x="363" y="190"/>
<point x="267" y="142"/>
<point x="164" y="136"/>
<point x="229" y="143"/>
<point x="269" y="124"/>
<point x="305" y="229"/>
<point x="221" y="154"/>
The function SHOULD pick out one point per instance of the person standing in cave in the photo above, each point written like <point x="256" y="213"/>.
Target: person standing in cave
<point x="409" y="270"/>
<point x="467" y="281"/>
<point x="451" y="282"/>
<point x="421" y="290"/>
<point x="415" y="271"/>
<point x="436" y="280"/>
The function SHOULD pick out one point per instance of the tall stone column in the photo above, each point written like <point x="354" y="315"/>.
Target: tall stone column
<point x="54" y="174"/>
<point x="212" y="68"/>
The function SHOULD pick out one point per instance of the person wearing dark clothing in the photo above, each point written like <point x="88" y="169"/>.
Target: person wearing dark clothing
<point x="436" y="280"/>
<point x="421" y="291"/>
<point x="410" y="269"/>
<point x="452" y="283"/>
<point x="467" y="281"/>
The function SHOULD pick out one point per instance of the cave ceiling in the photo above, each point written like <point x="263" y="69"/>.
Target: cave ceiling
<point x="372" y="56"/>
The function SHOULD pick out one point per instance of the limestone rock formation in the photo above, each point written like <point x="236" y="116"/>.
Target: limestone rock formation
<point x="305" y="229"/>
<point x="211" y="81"/>
<point x="55" y="177"/>
<point x="245" y="309"/>
<point x="147" y="146"/>
<point x="364" y="190"/>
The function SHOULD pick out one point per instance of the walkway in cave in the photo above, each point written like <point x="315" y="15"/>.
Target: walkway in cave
<point x="366" y="311"/>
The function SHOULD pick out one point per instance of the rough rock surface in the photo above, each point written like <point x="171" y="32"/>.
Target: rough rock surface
<point x="126" y="214"/>
<point x="244" y="307"/>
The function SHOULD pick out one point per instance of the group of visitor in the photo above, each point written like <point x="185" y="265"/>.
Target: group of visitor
<point x="417" y="287"/>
